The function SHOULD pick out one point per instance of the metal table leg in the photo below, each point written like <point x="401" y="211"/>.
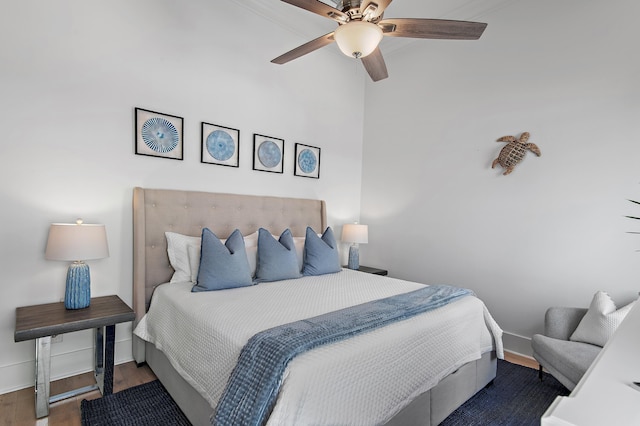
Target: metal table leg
<point x="103" y="359"/>
<point x="98" y="357"/>
<point x="109" y="352"/>
<point x="97" y="365"/>
<point x="43" y="374"/>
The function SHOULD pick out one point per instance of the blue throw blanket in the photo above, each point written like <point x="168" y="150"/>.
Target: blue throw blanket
<point x="255" y="381"/>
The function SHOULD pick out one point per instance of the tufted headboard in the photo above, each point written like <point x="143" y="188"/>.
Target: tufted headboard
<point x="187" y="212"/>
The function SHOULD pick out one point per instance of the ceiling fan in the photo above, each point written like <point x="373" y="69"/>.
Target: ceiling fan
<point x="361" y="28"/>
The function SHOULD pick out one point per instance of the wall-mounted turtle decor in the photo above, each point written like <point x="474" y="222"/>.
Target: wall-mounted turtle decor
<point x="513" y="152"/>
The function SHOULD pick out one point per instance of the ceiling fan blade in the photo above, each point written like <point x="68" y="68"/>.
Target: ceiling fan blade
<point x="304" y="49"/>
<point x="380" y="6"/>
<point x="321" y="9"/>
<point x="375" y="66"/>
<point x="432" y="28"/>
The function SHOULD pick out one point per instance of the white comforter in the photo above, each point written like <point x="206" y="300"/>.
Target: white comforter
<point x="366" y="379"/>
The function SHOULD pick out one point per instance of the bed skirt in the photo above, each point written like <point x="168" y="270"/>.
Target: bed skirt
<point x="428" y="409"/>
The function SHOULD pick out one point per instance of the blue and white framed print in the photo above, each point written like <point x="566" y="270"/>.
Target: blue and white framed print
<point x="220" y="145"/>
<point x="268" y="154"/>
<point x="158" y="134"/>
<point x="307" y="161"/>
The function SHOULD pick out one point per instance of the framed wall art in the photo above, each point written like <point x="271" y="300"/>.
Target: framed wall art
<point x="307" y="161"/>
<point x="220" y="145"/>
<point x="158" y="134"/>
<point x="268" y="154"/>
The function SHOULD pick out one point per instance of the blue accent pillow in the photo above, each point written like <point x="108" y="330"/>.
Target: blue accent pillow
<point x="320" y="254"/>
<point x="277" y="260"/>
<point x="222" y="265"/>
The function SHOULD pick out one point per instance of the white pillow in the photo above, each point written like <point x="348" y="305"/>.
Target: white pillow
<point x="298" y="243"/>
<point x="600" y="321"/>
<point x="194" y="262"/>
<point x="252" y="257"/>
<point x="178" y="255"/>
<point x="193" y="255"/>
<point x="251" y="240"/>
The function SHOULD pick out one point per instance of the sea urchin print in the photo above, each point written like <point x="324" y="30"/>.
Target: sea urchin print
<point x="160" y="135"/>
<point x="307" y="161"/>
<point x="220" y="145"/>
<point x="269" y="154"/>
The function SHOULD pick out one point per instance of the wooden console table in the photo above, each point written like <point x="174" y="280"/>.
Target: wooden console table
<point x="40" y="322"/>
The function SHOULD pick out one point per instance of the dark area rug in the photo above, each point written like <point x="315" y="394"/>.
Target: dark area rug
<point x="516" y="398"/>
<point x="143" y="405"/>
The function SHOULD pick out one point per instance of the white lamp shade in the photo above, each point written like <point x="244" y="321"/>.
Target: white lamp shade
<point x="355" y="233"/>
<point x="75" y="242"/>
<point x="358" y="39"/>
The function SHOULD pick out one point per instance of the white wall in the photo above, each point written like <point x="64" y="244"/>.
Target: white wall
<point x="71" y="74"/>
<point x="551" y="233"/>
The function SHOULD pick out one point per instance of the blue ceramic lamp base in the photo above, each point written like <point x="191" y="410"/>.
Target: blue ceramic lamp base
<point x="77" y="293"/>
<point x="354" y="257"/>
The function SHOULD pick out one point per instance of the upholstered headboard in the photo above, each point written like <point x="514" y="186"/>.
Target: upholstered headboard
<point x="187" y="212"/>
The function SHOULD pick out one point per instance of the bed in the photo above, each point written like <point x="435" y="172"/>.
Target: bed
<point x="461" y="368"/>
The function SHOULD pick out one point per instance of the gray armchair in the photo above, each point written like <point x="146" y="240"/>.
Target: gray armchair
<point x="567" y="361"/>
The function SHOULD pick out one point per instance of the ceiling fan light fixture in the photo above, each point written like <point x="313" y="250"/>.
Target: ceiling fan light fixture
<point x="357" y="38"/>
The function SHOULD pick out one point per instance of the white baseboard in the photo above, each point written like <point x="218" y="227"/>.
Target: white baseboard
<point x="517" y="344"/>
<point x="21" y="375"/>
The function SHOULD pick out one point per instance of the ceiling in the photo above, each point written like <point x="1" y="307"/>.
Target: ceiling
<point x="309" y="26"/>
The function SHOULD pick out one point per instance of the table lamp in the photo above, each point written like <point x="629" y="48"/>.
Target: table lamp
<point x="355" y="234"/>
<point x="76" y="243"/>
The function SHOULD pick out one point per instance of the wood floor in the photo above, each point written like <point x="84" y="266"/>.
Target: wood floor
<point x="18" y="408"/>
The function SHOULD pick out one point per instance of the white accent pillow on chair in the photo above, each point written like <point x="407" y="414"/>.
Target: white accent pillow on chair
<point x="600" y="321"/>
